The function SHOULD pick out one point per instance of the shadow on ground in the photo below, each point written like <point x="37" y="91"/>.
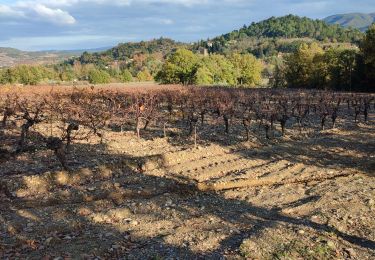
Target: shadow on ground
<point x="107" y="206"/>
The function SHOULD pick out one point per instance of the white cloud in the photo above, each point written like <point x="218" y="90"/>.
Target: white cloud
<point x="53" y="15"/>
<point x="53" y="10"/>
<point x="33" y="10"/>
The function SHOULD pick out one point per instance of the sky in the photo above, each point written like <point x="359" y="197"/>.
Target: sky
<point x="85" y="24"/>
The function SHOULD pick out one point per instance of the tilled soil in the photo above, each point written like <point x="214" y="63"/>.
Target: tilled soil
<point x="158" y="198"/>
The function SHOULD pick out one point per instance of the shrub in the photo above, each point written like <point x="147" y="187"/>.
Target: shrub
<point x="99" y="77"/>
<point x="144" y="75"/>
<point x="126" y="76"/>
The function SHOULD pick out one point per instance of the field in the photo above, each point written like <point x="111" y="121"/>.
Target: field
<point x="171" y="172"/>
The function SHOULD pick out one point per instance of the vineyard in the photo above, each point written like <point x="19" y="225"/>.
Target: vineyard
<point x="186" y="172"/>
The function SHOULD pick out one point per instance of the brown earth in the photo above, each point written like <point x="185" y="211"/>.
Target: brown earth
<point x="296" y="197"/>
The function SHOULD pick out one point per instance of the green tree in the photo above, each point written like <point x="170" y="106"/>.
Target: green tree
<point x="277" y="78"/>
<point x="87" y="58"/>
<point x="9" y="75"/>
<point x="340" y="65"/>
<point x="305" y="67"/>
<point x="221" y="69"/>
<point x="144" y="75"/>
<point x="180" y="67"/>
<point x="348" y="59"/>
<point x="368" y="52"/>
<point x="168" y="74"/>
<point x="65" y="73"/>
<point x="97" y="76"/>
<point x="248" y="70"/>
<point x="126" y="76"/>
<point x="311" y="67"/>
<point x="29" y="75"/>
<point x="203" y="77"/>
<point x="334" y="68"/>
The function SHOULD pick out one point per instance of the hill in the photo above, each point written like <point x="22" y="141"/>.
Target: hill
<point x="280" y="35"/>
<point x="292" y="26"/>
<point x="360" y="21"/>
<point x="265" y="38"/>
<point x="11" y="56"/>
<point x="127" y="51"/>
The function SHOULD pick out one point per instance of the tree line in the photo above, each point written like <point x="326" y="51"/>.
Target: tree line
<point x="35" y="74"/>
<point x="311" y="66"/>
<point x="185" y="67"/>
<point x="180" y="67"/>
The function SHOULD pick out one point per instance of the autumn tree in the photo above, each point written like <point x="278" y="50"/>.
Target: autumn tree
<point x="144" y="75"/>
<point x="303" y="66"/>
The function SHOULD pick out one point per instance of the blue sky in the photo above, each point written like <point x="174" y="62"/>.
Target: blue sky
<point x="83" y="24"/>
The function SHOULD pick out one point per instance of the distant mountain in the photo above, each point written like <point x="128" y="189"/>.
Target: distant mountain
<point x="360" y="21"/>
<point x="12" y="57"/>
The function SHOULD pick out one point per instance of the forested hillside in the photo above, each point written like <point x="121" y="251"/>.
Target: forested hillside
<point x="281" y="34"/>
<point x="265" y="38"/>
<point x="292" y="26"/>
<point x="126" y="51"/>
